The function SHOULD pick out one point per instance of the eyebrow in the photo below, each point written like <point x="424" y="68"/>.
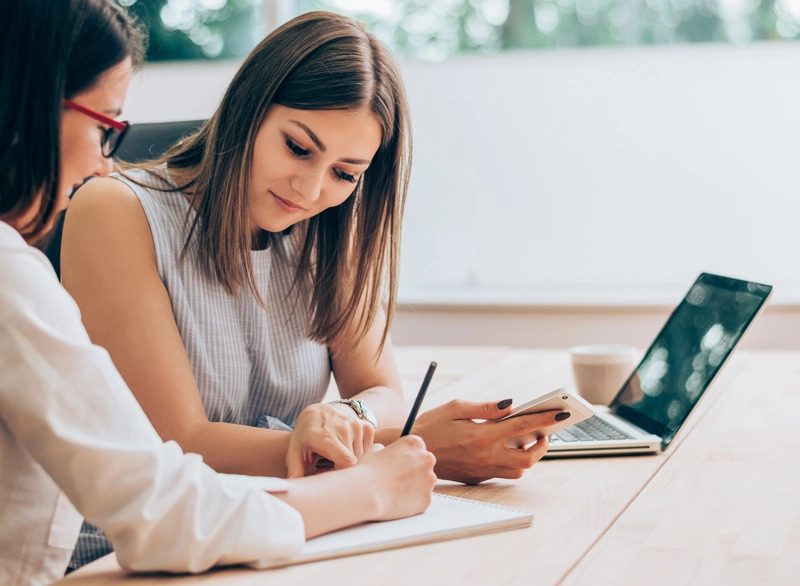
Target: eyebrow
<point x="322" y="147"/>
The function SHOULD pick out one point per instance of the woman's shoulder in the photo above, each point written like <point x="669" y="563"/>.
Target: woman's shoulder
<point x="30" y="287"/>
<point x="103" y="199"/>
<point x="105" y="215"/>
<point x="134" y="195"/>
<point x="18" y="261"/>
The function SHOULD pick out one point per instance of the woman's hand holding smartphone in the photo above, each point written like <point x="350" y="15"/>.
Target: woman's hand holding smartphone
<point x="558" y="400"/>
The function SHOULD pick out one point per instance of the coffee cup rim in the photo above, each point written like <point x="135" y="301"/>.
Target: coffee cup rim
<point x="605" y="352"/>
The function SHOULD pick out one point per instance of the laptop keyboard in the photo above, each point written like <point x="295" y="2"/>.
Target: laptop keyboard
<point x="592" y="429"/>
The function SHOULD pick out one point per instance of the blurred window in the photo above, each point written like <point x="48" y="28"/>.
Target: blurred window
<point x="435" y="29"/>
<point x="200" y="29"/>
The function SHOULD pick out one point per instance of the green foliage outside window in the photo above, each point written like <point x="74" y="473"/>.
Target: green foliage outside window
<point x="199" y="29"/>
<point x="435" y="29"/>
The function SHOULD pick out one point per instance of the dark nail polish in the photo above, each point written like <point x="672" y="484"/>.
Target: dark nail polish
<point x="504" y="403"/>
<point x="562" y="416"/>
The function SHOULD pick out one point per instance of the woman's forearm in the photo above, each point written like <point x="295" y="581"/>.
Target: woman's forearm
<point x="386" y="435"/>
<point x="238" y="449"/>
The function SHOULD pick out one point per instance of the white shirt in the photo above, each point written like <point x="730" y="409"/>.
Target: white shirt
<point x="69" y="423"/>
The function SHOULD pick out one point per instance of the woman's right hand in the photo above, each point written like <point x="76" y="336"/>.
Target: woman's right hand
<point x="385" y="484"/>
<point x="402" y="477"/>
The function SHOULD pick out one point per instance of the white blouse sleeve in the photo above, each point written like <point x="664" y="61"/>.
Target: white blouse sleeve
<point x="65" y="402"/>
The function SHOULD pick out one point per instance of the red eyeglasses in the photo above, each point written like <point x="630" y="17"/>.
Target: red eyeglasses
<point x="112" y="136"/>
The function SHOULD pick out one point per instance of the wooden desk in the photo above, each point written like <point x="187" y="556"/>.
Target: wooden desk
<point x="718" y="507"/>
<point x="725" y="507"/>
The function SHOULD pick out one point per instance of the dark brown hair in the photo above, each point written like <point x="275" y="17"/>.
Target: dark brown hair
<point x="50" y="50"/>
<point x="350" y="255"/>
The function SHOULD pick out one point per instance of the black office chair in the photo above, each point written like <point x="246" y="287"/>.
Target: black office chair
<point x="148" y="141"/>
<point x="143" y="141"/>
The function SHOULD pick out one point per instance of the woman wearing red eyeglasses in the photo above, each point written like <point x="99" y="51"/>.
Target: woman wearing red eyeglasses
<point x="73" y="440"/>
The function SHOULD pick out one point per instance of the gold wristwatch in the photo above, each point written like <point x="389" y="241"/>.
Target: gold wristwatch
<point x="361" y="409"/>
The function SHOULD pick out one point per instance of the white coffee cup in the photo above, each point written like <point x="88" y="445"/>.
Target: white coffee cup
<point x="600" y="370"/>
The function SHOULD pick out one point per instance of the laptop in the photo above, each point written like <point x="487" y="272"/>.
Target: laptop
<point x="674" y="373"/>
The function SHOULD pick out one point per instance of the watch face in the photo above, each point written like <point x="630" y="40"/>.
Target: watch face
<point x="366" y="413"/>
<point x="361" y="410"/>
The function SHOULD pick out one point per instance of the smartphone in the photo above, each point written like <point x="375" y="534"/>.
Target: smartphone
<point x="558" y="400"/>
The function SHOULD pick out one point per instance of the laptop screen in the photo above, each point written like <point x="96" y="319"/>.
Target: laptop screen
<point x="688" y="352"/>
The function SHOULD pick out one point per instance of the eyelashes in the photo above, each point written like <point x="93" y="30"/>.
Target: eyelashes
<point x="301" y="153"/>
<point x="296" y="149"/>
<point x="344" y="176"/>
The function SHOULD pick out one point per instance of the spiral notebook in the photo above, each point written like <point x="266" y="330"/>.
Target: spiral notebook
<point x="448" y="517"/>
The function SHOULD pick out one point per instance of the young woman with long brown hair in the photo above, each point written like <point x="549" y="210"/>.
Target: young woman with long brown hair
<point x="230" y="278"/>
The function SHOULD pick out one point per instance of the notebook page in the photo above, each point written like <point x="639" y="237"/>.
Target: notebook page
<point x="448" y="517"/>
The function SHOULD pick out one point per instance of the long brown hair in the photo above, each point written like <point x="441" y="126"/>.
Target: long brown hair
<point x="350" y="253"/>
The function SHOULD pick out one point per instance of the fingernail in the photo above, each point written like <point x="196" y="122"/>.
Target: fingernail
<point x="562" y="416"/>
<point x="504" y="403"/>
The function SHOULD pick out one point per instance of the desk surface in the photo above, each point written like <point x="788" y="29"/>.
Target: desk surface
<point x="720" y="507"/>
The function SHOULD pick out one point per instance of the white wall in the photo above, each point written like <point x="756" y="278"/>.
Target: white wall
<point x="596" y="178"/>
<point x="604" y="176"/>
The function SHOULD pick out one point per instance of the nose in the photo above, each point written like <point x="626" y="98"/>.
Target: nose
<point x="104" y="167"/>
<point x="308" y="184"/>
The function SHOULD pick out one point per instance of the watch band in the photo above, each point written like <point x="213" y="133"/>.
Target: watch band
<point x="361" y="410"/>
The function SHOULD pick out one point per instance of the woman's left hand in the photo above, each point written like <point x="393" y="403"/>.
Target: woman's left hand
<point x="471" y="452"/>
<point x="331" y="431"/>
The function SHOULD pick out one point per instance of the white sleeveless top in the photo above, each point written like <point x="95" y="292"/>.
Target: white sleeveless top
<point x="252" y="366"/>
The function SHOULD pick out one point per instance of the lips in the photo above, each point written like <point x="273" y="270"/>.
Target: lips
<point x="288" y="204"/>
